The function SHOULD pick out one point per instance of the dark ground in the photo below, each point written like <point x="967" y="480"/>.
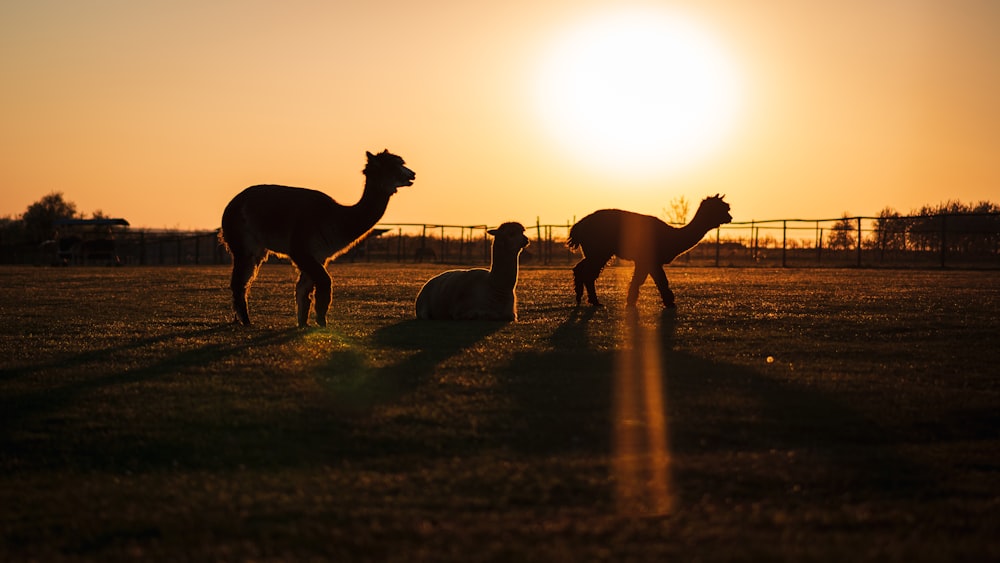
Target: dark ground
<point x="802" y="415"/>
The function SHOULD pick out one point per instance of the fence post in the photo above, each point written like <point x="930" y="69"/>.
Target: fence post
<point x="819" y="245"/>
<point x="423" y="244"/>
<point x="784" y="238"/>
<point x="486" y="242"/>
<point x="859" y="241"/>
<point x="538" y="235"/>
<point x="548" y="244"/>
<point x="444" y="249"/>
<point x="718" y="244"/>
<point x="944" y="241"/>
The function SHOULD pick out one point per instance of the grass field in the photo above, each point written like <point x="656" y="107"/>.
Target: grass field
<point x="830" y="415"/>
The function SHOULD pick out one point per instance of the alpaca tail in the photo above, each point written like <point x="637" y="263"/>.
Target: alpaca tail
<point x="221" y="236"/>
<point x="572" y="241"/>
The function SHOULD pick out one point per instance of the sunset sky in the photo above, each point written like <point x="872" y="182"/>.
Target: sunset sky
<point x="161" y="111"/>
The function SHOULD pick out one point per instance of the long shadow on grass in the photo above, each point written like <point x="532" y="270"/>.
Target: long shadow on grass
<point x="82" y="359"/>
<point x="732" y="431"/>
<point x="19" y="410"/>
<point x="765" y="434"/>
<point x="563" y="394"/>
<point x="357" y="386"/>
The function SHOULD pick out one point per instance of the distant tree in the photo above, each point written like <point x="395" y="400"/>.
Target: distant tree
<point x="967" y="228"/>
<point x="678" y="212"/>
<point x="842" y="234"/>
<point x="41" y="215"/>
<point x="890" y="230"/>
<point x="12" y="231"/>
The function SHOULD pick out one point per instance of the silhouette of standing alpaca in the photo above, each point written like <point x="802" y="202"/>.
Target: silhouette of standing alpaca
<point x="478" y="294"/>
<point x="644" y="239"/>
<point x="308" y="227"/>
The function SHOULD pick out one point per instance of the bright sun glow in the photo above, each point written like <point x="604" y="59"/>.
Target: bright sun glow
<point x="638" y="93"/>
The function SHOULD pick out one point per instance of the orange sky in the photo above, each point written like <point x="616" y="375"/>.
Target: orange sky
<point x="160" y="112"/>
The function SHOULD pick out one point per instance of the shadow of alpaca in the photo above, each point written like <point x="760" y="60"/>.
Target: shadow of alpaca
<point x="568" y="400"/>
<point x="562" y="395"/>
<point x="793" y="432"/>
<point x="86" y="357"/>
<point x="144" y="451"/>
<point x="53" y="398"/>
<point x="356" y="386"/>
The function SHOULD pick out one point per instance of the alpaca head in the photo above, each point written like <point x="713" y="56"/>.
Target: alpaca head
<point x="386" y="171"/>
<point x="714" y="210"/>
<point x="509" y="238"/>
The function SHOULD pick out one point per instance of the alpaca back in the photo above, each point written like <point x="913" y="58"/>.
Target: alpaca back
<point x="614" y="232"/>
<point x="464" y="295"/>
<point x="270" y="217"/>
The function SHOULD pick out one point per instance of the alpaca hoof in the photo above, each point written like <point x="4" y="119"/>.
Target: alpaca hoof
<point x="321" y="322"/>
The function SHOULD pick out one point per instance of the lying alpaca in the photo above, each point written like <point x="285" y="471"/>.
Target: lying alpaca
<point x="308" y="227"/>
<point x="478" y="294"/>
<point x="644" y="239"/>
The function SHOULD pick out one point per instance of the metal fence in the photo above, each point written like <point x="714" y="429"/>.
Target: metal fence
<point x="457" y="244"/>
<point x="952" y="240"/>
<point x="946" y="240"/>
<point x="968" y="240"/>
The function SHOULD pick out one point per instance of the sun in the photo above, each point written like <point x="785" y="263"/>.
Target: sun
<point x="640" y="93"/>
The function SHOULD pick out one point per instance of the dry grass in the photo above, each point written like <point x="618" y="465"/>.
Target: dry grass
<point x="138" y="423"/>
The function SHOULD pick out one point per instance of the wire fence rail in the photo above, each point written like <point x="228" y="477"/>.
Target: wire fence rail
<point x="967" y="240"/>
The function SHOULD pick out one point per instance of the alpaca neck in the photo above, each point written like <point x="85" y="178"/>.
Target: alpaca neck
<point x="363" y="215"/>
<point x="503" y="270"/>
<point x="692" y="233"/>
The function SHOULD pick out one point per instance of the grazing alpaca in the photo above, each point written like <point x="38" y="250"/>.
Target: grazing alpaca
<point x="478" y="294"/>
<point x="644" y="239"/>
<point x="308" y="227"/>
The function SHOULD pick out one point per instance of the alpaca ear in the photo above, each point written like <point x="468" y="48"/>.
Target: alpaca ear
<point x="494" y="232"/>
<point x="369" y="155"/>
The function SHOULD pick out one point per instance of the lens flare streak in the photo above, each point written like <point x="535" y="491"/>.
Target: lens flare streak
<point x="642" y="459"/>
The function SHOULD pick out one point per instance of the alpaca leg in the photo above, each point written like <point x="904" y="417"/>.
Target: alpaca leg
<point x="321" y="279"/>
<point x="639" y="276"/>
<point x="578" y="280"/>
<point x="585" y="273"/>
<point x="324" y="295"/>
<point x="660" y="277"/>
<point x="592" y="292"/>
<point x="244" y="272"/>
<point x="303" y="297"/>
